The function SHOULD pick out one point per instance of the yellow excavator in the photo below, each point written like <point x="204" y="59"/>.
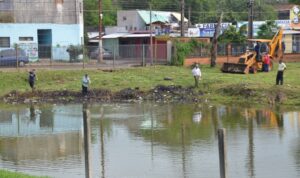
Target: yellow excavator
<point x="252" y="62"/>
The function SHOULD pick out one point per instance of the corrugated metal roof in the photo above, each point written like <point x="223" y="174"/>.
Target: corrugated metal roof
<point x="125" y="35"/>
<point x="137" y="35"/>
<point x="156" y="17"/>
<point x="178" y="16"/>
<point x="115" y="35"/>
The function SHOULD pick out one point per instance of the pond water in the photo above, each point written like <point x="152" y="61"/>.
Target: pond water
<point x="147" y="140"/>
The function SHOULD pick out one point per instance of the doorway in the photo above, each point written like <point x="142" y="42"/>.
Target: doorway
<point x="44" y="43"/>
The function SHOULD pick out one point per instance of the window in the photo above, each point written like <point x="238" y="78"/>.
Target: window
<point x="4" y="42"/>
<point x="124" y="18"/>
<point x="26" y="38"/>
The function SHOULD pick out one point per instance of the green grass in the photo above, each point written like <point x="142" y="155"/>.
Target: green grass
<point x="8" y="174"/>
<point x="148" y="77"/>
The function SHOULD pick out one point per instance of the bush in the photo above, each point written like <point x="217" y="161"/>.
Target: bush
<point x="74" y="52"/>
<point x="183" y="49"/>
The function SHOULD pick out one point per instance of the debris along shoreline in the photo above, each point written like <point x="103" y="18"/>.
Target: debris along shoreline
<point x="160" y="93"/>
<point x="237" y="94"/>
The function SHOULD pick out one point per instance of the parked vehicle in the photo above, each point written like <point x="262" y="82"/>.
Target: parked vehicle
<point x="105" y="53"/>
<point x="9" y="57"/>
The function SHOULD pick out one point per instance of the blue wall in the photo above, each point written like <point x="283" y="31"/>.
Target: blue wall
<point x="62" y="35"/>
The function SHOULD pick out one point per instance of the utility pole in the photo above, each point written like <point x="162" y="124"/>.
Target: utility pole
<point x="189" y="23"/>
<point x="250" y="18"/>
<point x="100" y="56"/>
<point x="182" y="19"/>
<point x="151" y="36"/>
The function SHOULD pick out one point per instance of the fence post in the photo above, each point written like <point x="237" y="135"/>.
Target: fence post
<point x="155" y="52"/>
<point x="114" y="51"/>
<point x="16" y="47"/>
<point x="83" y="56"/>
<point x="222" y="152"/>
<point x="51" y="55"/>
<point x="143" y="55"/>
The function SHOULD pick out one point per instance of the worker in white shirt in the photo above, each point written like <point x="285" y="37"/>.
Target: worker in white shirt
<point x="279" y="77"/>
<point x="197" y="74"/>
<point x="85" y="84"/>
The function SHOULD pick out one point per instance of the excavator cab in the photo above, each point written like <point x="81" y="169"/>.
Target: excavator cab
<point x="252" y="61"/>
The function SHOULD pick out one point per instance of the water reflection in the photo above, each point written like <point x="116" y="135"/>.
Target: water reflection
<point x="87" y="140"/>
<point x="148" y="140"/>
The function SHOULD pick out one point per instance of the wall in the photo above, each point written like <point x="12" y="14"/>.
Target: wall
<point x="288" y="40"/>
<point x="48" y="11"/>
<point x="62" y="36"/>
<point x="132" y="20"/>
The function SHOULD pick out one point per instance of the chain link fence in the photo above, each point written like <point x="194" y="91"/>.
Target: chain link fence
<point x="114" y="56"/>
<point x="83" y="56"/>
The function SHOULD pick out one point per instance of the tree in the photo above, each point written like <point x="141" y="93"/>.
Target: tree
<point x="267" y="30"/>
<point x="294" y="2"/>
<point x="232" y="35"/>
<point x="91" y="13"/>
<point x="213" y="50"/>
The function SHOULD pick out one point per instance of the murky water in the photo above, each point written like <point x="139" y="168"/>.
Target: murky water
<point x="148" y="140"/>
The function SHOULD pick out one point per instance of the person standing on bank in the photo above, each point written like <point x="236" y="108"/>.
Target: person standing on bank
<point x="267" y="62"/>
<point x="31" y="79"/>
<point x="85" y="84"/>
<point x="279" y="77"/>
<point x="197" y="74"/>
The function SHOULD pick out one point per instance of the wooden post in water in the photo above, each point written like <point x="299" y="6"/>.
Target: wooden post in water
<point x="222" y="152"/>
<point x="87" y="141"/>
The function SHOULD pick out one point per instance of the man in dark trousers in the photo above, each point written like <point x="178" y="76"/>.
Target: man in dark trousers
<point x="85" y="84"/>
<point x="279" y="77"/>
<point x="257" y="50"/>
<point x="32" y="79"/>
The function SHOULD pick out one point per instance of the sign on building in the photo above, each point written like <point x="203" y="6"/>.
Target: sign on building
<point x="193" y="32"/>
<point x="284" y="24"/>
<point x="295" y="17"/>
<point x="208" y="29"/>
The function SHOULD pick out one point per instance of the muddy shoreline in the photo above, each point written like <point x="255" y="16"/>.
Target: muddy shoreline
<point x="158" y="94"/>
<point x="238" y="94"/>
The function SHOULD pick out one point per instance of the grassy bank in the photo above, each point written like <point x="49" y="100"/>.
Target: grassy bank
<point x="7" y="174"/>
<point x="255" y="88"/>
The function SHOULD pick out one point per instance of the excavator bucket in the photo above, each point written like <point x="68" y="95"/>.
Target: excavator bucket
<point x="235" y="68"/>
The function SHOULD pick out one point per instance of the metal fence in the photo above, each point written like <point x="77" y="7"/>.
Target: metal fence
<point x="114" y="55"/>
<point x="223" y="49"/>
<point x="83" y="56"/>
